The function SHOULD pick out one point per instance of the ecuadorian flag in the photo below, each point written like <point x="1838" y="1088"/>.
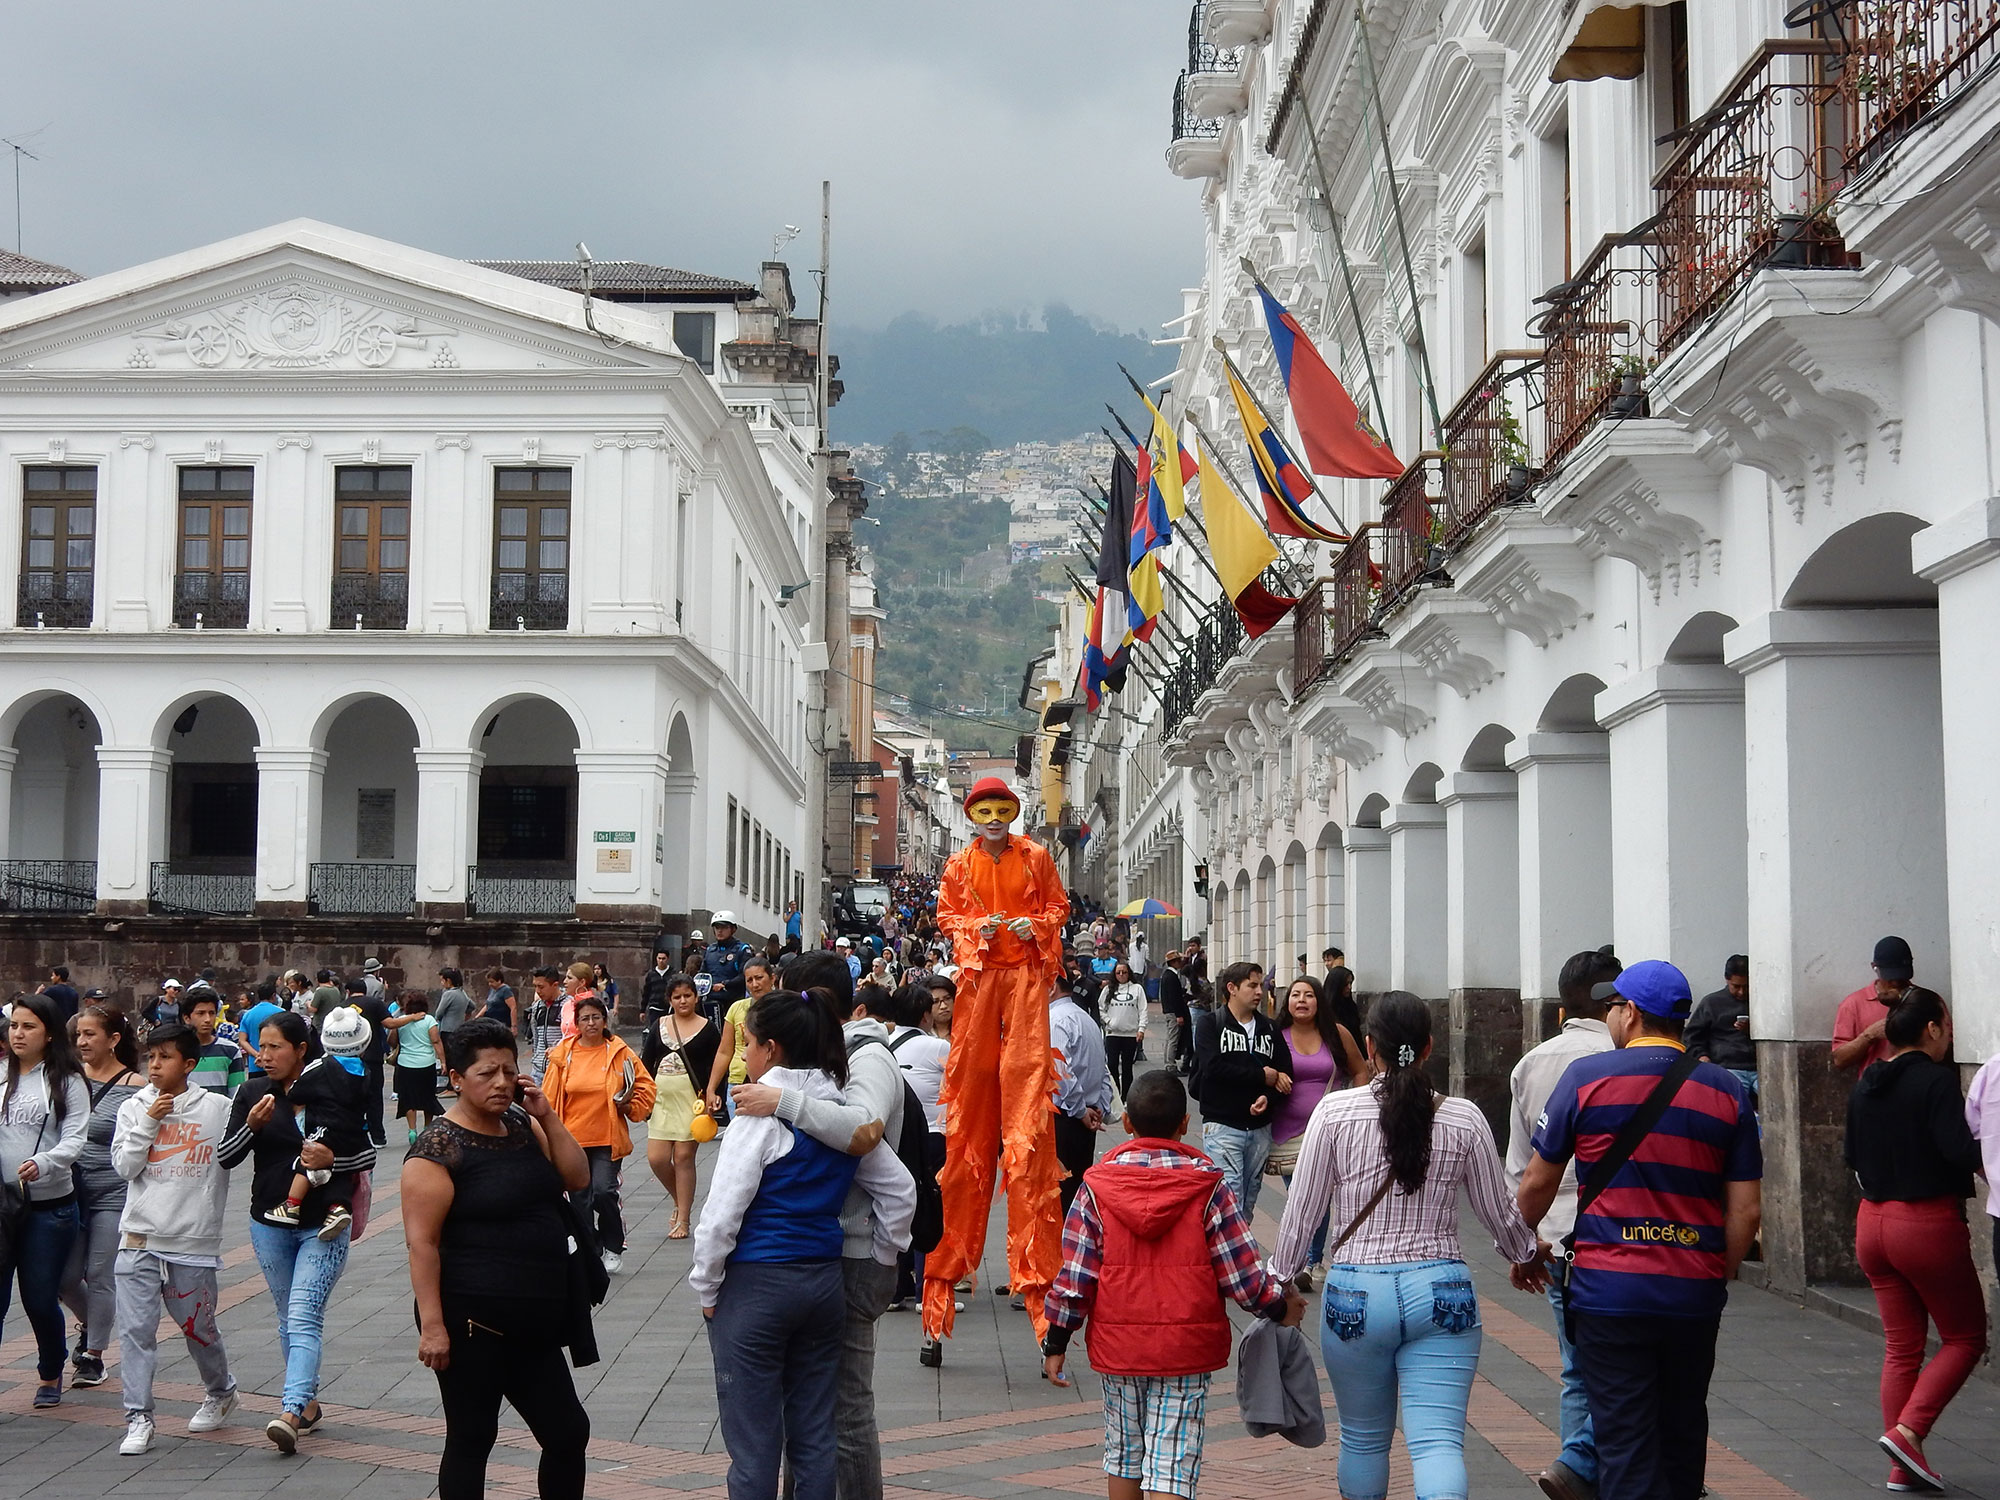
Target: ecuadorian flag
<point x="1280" y="481"/>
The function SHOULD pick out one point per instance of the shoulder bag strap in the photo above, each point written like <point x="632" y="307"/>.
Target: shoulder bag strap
<point x="896" y="1045"/>
<point x="1637" y="1128"/>
<point x="1361" y="1218"/>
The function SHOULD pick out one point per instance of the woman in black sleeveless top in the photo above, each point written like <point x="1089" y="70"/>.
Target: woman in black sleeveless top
<point x="482" y="1215"/>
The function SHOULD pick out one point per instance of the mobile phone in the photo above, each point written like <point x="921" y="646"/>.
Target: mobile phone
<point x="520" y="1091"/>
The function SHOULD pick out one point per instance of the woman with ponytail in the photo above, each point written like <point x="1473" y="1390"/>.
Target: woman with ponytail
<point x="767" y="1253"/>
<point x="1400" y="1317"/>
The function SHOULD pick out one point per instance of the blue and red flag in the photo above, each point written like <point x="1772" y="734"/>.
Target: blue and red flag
<point x="1338" y="440"/>
<point x="1280" y="481"/>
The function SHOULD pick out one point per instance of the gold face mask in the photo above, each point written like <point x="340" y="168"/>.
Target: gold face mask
<point x="989" y="812"/>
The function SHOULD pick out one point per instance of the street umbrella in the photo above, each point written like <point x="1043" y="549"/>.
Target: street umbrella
<point x="1147" y="908"/>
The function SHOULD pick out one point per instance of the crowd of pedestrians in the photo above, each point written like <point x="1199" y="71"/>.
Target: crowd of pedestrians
<point x="1627" y="1194"/>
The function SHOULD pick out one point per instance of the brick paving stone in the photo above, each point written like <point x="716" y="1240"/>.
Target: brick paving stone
<point x="1793" y="1404"/>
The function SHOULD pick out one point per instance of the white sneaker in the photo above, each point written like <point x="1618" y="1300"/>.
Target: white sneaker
<point x="213" y="1413"/>
<point x="612" y="1261"/>
<point x="138" y="1435"/>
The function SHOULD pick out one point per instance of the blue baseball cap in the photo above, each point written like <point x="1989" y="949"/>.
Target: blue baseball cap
<point x="1654" y="985"/>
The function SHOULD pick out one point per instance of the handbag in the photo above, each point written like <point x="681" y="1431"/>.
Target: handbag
<point x="14" y="1199"/>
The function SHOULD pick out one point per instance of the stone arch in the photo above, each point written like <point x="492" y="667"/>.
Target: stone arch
<point x="1572" y="707"/>
<point x="1863" y="565"/>
<point x="212" y="797"/>
<point x="1488" y="750"/>
<point x="29" y="699"/>
<point x="678" y="820"/>
<point x="1699" y="641"/>
<point x="368" y="797"/>
<point x="527" y="787"/>
<point x="1423" y="783"/>
<point x="361" y="692"/>
<point x="52" y="791"/>
<point x="480" y="731"/>
<point x="199" y="696"/>
<point x="1369" y="815"/>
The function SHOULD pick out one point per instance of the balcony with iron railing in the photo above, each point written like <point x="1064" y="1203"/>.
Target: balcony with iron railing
<point x="188" y="890"/>
<point x="521" y="889"/>
<point x="1216" y="84"/>
<point x="530" y="601"/>
<point x="376" y="601"/>
<point x="1904" y="60"/>
<point x="212" y="601"/>
<point x="48" y="885"/>
<point x="53" y="601"/>
<point x="1194" y="146"/>
<point x="1600" y="333"/>
<point x="363" y="889"/>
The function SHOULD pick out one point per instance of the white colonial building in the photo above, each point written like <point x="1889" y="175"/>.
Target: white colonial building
<point x="363" y="591"/>
<point x="1676" y="632"/>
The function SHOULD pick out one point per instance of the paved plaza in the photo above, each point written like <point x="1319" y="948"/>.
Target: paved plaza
<point x="1793" y="1405"/>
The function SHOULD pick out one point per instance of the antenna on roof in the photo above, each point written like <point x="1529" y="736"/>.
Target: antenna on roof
<point x="19" y="148"/>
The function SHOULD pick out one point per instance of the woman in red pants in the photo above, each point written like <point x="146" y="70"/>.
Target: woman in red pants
<point x="1909" y="1146"/>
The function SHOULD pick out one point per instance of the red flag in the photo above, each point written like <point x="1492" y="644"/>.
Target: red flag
<point x="1338" y="441"/>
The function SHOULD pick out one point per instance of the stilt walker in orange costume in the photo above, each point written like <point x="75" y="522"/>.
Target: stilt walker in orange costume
<point x="1003" y="906"/>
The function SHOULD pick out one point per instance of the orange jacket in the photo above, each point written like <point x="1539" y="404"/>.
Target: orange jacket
<point x="584" y="1102"/>
<point x="1022" y="882"/>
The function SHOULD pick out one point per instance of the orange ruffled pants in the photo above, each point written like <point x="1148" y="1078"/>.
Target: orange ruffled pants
<point x="998" y="1082"/>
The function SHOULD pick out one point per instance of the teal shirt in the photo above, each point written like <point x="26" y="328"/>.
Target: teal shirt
<point x="416" y="1043"/>
<point x="220" y="1068"/>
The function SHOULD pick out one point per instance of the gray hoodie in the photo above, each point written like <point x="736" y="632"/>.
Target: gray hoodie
<point x="179" y="1188"/>
<point x="874" y="1093"/>
<point x="29" y="1130"/>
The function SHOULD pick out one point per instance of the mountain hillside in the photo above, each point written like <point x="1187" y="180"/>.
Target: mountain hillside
<point x="1013" y="381"/>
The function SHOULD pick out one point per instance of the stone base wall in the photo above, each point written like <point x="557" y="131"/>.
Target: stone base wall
<point x="1809" y="1194"/>
<point x="1486" y="1033"/>
<point x="127" y="958"/>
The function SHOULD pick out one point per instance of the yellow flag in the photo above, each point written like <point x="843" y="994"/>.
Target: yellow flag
<point x="1169" y="462"/>
<point x="1242" y="550"/>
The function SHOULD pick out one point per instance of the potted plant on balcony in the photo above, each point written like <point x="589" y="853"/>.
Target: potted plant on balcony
<point x="1630" y="401"/>
<point x="1511" y="449"/>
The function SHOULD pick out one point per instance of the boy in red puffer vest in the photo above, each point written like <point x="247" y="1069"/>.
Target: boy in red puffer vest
<point x="1144" y="1236"/>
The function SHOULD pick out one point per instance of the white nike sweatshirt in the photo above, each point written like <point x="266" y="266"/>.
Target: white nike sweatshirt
<point x="179" y="1189"/>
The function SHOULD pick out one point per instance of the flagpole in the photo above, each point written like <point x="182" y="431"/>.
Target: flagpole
<point x="1346" y="270"/>
<point x="1311" y="484"/>
<point x="1229" y="477"/>
<point x="1210" y="567"/>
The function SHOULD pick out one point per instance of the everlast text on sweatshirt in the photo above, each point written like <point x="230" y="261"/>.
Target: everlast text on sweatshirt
<point x="179" y="1189"/>
<point x="1230" y="1059"/>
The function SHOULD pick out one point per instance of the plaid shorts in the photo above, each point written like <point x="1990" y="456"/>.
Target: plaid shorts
<point x="1153" y="1428"/>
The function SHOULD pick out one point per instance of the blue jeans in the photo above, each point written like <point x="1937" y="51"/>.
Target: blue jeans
<point x="1241" y="1155"/>
<point x="775" y="1343"/>
<point x="1317" y="1256"/>
<point x="38" y="1257"/>
<point x="1408" y="1332"/>
<point x="1579" y="1442"/>
<point x="301" y="1269"/>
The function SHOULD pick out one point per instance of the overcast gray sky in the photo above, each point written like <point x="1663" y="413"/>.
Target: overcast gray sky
<point x="983" y="156"/>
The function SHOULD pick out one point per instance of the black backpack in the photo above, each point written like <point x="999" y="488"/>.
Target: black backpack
<point x="913" y="1150"/>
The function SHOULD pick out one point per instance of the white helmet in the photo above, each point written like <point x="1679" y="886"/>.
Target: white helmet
<point x="695" y="936"/>
<point x="345" y="1032"/>
<point x="721" y="917"/>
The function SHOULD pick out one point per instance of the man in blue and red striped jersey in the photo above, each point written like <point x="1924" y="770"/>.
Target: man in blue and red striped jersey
<point x="1656" y="1250"/>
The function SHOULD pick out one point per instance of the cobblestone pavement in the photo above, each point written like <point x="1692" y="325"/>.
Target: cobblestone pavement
<point x="1794" y="1408"/>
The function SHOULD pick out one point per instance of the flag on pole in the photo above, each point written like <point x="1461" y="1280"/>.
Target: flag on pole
<point x="1338" y="440"/>
<point x="1242" y="553"/>
<point x="1280" y="481"/>
<point x="1110" y="617"/>
<point x="1151" y="531"/>
<point x="1172" y="477"/>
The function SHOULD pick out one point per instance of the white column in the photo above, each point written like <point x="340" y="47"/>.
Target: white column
<point x="284" y="552"/>
<point x="131" y="823"/>
<point x="1416" y="898"/>
<point x="1367" y="881"/>
<point x="8" y="756"/>
<point x="288" y="810"/>
<point x="1678" y="818"/>
<point x="1564" y="785"/>
<point x="618" y="793"/>
<point x="442" y="539"/>
<point x="447" y="824"/>
<point x="1844" y="782"/>
<point x="1957" y="554"/>
<point x="1482" y="881"/>
<point x="132" y="594"/>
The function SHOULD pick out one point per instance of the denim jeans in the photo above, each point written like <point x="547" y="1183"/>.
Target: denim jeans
<point x="38" y="1257"/>
<point x="775" y="1342"/>
<point x="1407" y="1333"/>
<point x="1579" y="1450"/>
<point x="301" y="1269"/>
<point x="599" y="1203"/>
<point x="1240" y="1154"/>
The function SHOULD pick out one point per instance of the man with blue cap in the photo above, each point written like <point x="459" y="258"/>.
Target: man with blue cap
<point x="1669" y="1202"/>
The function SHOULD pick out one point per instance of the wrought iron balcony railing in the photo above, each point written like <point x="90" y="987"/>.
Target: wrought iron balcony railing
<point x="370" y="889"/>
<point x="185" y="892"/>
<point x="530" y="601"/>
<point x="1600" y="334"/>
<point x="1904" y="60"/>
<point x="1309" y="659"/>
<point x="53" y="885"/>
<point x="1204" y="56"/>
<point x="1489" y="453"/>
<point x="506" y="891"/>
<point x="1751" y="184"/>
<point x="1357" y="586"/>
<point x="212" y="601"/>
<point x="374" y="601"/>
<point x="1186" y="126"/>
<point x="54" y="601"/>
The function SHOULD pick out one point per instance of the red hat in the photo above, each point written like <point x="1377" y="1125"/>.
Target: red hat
<point x="990" y="786"/>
